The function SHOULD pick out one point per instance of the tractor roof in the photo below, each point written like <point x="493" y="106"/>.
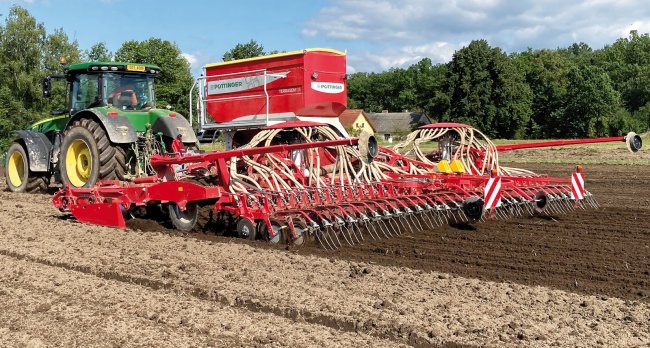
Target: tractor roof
<point x="113" y="66"/>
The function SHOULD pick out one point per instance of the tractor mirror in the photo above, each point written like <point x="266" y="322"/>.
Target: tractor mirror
<point x="47" y="87"/>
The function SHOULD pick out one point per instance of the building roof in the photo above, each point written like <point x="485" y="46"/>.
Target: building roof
<point x="397" y="122"/>
<point x="348" y="117"/>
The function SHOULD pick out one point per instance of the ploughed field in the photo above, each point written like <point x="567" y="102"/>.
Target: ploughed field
<point x="570" y="280"/>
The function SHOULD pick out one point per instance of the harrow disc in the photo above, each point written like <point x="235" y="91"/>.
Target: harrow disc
<point x="301" y="232"/>
<point x="246" y="229"/>
<point x="183" y="220"/>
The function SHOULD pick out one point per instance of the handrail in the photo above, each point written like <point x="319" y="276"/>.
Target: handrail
<point x="203" y="98"/>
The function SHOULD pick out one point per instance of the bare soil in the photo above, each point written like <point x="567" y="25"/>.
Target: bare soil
<point x="576" y="280"/>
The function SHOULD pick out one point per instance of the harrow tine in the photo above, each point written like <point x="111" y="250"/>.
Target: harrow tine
<point x="405" y="224"/>
<point x="330" y="233"/>
<point x="339" y="227"/>
<point x="424" y="217"/>
<point x="342" y="230"/>
<point x="321" y="240"/>
<point x="353" y="233"/>
<point x="385" y="230"/>
<point x="370" y="227"/>
<point x="394" y="226"/>
<point x="355" y="226"/>
<point x="376" y="227"/>
<point x="529" y="208"/>
<point x="415" y="219"/>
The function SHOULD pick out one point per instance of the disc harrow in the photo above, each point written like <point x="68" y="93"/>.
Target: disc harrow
<point x="299" y="181"/>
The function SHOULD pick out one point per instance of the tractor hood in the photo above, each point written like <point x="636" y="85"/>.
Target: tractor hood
<point x="169" y="123"/>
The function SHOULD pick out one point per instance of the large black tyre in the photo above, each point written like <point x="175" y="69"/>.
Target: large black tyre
<point x="87" y="155"/>
<point x="19" y="177"/>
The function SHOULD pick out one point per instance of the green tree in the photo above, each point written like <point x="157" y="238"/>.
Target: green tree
<point x="174" y="85"/>
<point x="22" y="41"/>
<point x="591" y="103"/>
<point x="487" y="91"/>
<point x="627" y="63"/>
<point x="546" y="72"/>
<point x="429" y="88"/>
<point x="241" y="51"/>
<point x="57" y="45"/>
<point x="98" y="53"/>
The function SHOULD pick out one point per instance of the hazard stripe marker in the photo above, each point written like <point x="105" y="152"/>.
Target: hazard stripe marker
<point x="577" y="186"/>
<point x="493" y="193"/>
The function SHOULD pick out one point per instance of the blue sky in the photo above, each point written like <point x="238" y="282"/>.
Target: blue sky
<point x="377" y="34"/>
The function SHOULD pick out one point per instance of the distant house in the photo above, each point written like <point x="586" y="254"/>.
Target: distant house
<point x="356" y="120"/>
<point x="390" y="125"/>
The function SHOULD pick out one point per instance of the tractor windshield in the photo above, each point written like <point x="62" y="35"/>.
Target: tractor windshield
<point x="128" y="92"/>
<point x="85" y="92"/>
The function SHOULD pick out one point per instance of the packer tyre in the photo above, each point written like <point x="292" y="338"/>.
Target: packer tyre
<point x="87" y="155"/>
<point x="183" y="220"/>
<point x="19" y="177"/>
<point x="473" y="207"/>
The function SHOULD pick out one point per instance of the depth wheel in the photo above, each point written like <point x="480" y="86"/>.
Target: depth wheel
<point x="19" y="177"/>
<point x="183" y="220"/>
<point x="87" y="155"/>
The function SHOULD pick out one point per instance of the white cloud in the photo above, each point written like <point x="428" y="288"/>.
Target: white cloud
<point x="190" y="58"/>
<point x="395" y="32"/>
<point x="438" y="52"/>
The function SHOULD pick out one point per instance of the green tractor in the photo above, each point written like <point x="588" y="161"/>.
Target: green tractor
<point x="110" y="129"/>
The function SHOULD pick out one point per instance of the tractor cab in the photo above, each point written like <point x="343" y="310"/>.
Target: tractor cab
<point x="126" y="87"/>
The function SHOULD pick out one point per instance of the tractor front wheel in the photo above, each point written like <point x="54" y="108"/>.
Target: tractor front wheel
<point x="19" y="177"/>
<point x="87" y="155"/>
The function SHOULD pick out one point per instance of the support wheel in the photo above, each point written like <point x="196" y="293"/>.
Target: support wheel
<point x="183" y="220"/>
<point x="19" y="177"/>
<point x="541" y="200"/>
<point x="87" y="155"/>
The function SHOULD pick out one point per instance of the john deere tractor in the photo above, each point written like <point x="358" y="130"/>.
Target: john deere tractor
<point x="109" y="130"/>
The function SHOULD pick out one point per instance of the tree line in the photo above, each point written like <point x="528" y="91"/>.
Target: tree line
<point x="28" y="53"/>
<point x="550" y="93"/>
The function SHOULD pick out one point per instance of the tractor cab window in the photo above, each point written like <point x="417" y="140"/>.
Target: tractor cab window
<point x="129" y="92"/>
<point x="84" y="92"/>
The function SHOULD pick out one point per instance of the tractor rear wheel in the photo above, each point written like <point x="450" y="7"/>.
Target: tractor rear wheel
<point x="19" y="177"/>
<point x="87" y="155"/>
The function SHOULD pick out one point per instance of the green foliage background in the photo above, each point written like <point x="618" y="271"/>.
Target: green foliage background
<point x="562" y="93"/>
<point x="28" y="53"/>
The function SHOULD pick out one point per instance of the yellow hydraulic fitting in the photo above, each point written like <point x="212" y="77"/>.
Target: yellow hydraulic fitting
<point x="443" y="167"/>
<point x="457" y="166"/>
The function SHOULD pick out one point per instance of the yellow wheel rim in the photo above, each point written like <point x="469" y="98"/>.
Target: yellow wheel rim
<point x="16" y="169"/>
<point x="78" y="163"/>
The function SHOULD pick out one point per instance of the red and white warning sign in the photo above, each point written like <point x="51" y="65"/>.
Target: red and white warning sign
<point x="577" y="186"/>
<point x="493" y="193"/>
